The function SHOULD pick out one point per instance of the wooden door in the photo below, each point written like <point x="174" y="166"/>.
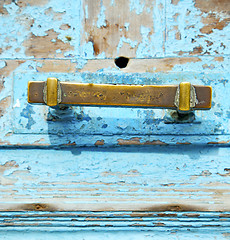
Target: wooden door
<point x="96" y="172"/>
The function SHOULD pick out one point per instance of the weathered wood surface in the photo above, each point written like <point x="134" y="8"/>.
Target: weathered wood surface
<point x="124" y="189"/>
<point x="166" y="42"/>
<point x="135" y="179"/>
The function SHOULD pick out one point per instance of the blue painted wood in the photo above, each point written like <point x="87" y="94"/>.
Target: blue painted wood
<point x="123" y="179"/>
<point x="60" y="166"/>
<point x="91" y="235"/>
<point x="114" y="221"/>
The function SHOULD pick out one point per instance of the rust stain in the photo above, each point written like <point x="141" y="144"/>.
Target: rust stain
<point x="4" y="104"/>
<point x="99" y="142"/>
<point x="69" y="38"/>
<point x="35" y="207"/>
<point x="43" y="47"/>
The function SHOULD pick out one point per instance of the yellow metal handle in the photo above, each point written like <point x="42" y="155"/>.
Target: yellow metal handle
<point x="183" y="97"/>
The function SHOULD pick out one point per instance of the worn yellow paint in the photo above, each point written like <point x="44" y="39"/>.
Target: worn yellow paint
<point x="52" y="92"/>
<point x="184" y="97"/>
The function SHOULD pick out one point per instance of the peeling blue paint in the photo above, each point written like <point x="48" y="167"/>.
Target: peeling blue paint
<point x="137" y="6"/>
<point x="101" y="17"/>
<point x="111" y="176"/>
<point x="27" y="113"/>
<point x="126" y="40"/>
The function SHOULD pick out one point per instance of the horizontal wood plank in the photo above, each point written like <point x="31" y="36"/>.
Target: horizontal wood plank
<point x="123" y="179"/>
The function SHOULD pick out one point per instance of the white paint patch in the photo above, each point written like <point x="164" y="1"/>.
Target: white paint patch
<point x="86" y="12"/>
<point x="17" y="104"/>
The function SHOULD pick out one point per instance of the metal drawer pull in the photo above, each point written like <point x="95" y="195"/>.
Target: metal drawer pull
<point x="183" y="98"/>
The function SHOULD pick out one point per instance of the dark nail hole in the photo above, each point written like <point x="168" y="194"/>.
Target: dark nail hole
<point x="121" y="62"/>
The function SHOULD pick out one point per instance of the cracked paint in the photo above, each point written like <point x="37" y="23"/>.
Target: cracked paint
<point x="165" y="46"/>
<point x="98" y="168"/>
